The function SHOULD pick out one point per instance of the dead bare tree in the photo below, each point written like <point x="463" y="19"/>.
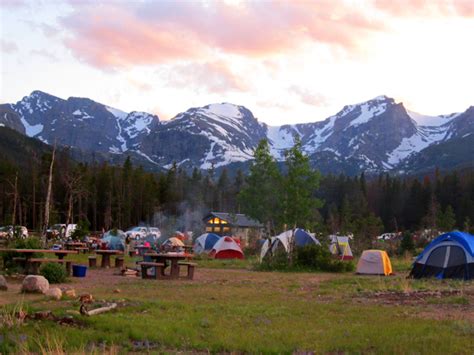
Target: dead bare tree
<point x="48" y="197"/>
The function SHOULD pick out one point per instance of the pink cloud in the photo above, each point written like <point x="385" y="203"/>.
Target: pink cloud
<point x="7" y="46"/>
<point x="307" y="97"/>
<point x="427" y="8"/>
<point x="143" y="33"/>
<point x="212" y="77"/>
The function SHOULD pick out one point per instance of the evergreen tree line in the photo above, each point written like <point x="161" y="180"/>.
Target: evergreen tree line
<point x="122" y="196"/>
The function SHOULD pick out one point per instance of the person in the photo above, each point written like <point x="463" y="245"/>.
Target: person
<point x="127" y="244"/>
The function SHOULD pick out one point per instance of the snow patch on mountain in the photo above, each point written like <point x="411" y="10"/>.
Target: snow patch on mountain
<point x="424" y="137"/>
<point x="31" y="130"/>
<point x="137" y="123"/>
<point x="426" y="120"/>
<point x="369" y="110"/>
<point x="280" y="139"/>
<point x="117" y="113"/>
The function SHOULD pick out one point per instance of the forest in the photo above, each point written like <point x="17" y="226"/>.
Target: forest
<point x="108" y="196"/>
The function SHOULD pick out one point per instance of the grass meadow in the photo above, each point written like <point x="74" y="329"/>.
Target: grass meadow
<point x="231" y="308"/>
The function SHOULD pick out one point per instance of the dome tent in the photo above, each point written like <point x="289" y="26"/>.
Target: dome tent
<point x="340" y="247"/>
<point x="374" y="262"/>
<point x="226" y="248"/>
<point x="283" y="241"/>
<point x="451" y="255"/>
<point x="205" y="242"/>
<point x="115" y="239"/>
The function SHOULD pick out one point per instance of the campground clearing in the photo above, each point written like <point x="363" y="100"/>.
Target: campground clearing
<point x="228" y="307"/>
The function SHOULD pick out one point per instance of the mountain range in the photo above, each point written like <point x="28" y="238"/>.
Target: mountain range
<point x="374" y="136"/>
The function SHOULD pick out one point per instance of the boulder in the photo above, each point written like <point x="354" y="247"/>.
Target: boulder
<point x="54" y="293"/>
<point x="3" y="283"/>
<point x="35" y="284"/>
<point x="70" y="293"/>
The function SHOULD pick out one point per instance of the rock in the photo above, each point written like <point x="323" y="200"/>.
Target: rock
<point x="70" y="293"/>
<point x="3" y="283"/>
<point x="54" y="293"/>
<point x="86" y="298"/>
<point x="35" y="283"/>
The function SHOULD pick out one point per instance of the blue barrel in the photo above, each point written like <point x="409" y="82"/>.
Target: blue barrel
<point x="79" y="270"/>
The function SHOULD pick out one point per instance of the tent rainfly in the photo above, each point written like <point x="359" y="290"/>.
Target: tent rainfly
<point x="451" y="255"/>
<point x="374" y="262"/>
<point x="205" y="242"/>
<point x="340" y="246"/>
<point x="226" y="248"/>
<point x="285" y="239"/>
<point x="173" y="241"/>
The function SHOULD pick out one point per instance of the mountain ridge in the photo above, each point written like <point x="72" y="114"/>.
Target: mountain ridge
<point x="373" y="136"/>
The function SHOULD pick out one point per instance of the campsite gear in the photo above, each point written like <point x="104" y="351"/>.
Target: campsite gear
<point x="451" y="255"/>
<point x="284" y="240"/>
<point x="173" y="241"/>
<point x="374" y="262"/>
<point x="340" y="246"/>
<point x="79" y="270"/>
<point x="226" y="248"/>
<point x="205" y="242"/>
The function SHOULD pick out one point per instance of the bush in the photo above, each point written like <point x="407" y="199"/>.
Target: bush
<point x="307" y="258"/>
<point x="407" y="244"/>
<point x="54" y="273"/>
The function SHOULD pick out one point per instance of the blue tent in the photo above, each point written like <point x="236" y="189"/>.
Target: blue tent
<point x="303" y="238"/>
<point x="451" y="255"/>
<point x="205" y="242"/>
<point x="115" y="240"/>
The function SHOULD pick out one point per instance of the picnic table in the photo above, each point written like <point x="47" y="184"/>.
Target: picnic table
<point x="173" y="258"/>
<point x="105" y="263"/>
<point x="29" y="252"/>
<point x="75" y="245"/>
<point x="34" y="263"/>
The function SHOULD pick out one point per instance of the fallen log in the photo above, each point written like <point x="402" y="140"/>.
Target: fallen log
<point x="100" y="310"/>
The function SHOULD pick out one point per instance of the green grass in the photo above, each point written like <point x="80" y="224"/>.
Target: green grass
<point x="231" y="308"/>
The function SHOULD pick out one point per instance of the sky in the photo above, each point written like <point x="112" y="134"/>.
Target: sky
<point x="287" y="61"/>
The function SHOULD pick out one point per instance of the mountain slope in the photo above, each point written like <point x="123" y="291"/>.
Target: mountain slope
<point x="373" y="136"/>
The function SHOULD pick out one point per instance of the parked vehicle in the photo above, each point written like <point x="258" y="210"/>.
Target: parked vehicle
<point x="9" y="231"/>
<point x="388" y="236"/>
<point x="138" y="233"/>
<point x="60" y="231"/>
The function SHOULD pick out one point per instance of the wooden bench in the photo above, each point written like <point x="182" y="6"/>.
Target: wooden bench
<point x="92" y="261"/>
<point x="157" y="267"/>
<point x="190" y="269"/>
<point x="119" y="261"/>
<point x="35" y="263"/>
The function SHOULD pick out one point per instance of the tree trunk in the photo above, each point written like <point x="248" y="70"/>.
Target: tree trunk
<point x="48" y="198"/>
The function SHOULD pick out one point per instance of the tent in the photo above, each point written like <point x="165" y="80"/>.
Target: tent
<point x="451" y="255"/>
<point x="205" y="242"/>
<point x="173" y="241"/>
<point x="340" y="246"/>
<point x="226" y="248"/>
<point x="374" y="262"/>
<point x="115" y="240"/>
<point x="283" y="241"/>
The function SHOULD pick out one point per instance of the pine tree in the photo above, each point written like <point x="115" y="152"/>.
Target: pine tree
<point x="300" y="185"/>
<point x="261" y="197"/>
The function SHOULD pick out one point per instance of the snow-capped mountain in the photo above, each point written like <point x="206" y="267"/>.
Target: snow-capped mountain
<point x="79" y="122"/>
<point x="377" y="135"/>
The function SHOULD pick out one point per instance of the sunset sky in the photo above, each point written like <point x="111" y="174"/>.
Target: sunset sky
<point x="287" y="61"/>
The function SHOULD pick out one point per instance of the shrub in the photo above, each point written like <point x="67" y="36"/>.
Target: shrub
<point x="407" y="244"/>
<point x="81" y="231"/>
<point x="307" y="258"/>
<point x="54" y="273"/>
